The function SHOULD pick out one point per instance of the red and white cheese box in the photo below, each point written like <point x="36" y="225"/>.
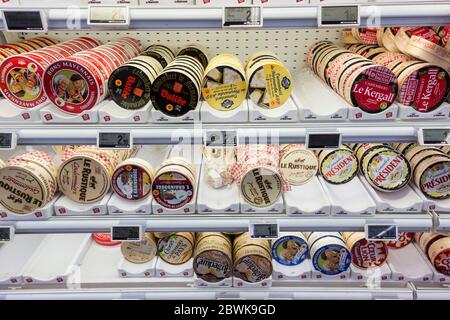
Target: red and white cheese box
<point x="79" y="82"/>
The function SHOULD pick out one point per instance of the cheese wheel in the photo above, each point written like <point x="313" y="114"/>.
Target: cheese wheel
<point x="439" y="254"/>
<point x="290" y="249"/>
<point x="365" y="254"/>
<point x="328" y="253"/>
<point x="388" y="170"/>
<point x="140" y="251"/>
<point x="432" y="177"/>
<point x="297" y="164"/>
<point x="404" y="239"/>
<point x="252" y="259"/>
<point x="176" y="248"/>
<point x="225" y="85"/>
<point x="24" y="186"/>
<point x="84" y="178"/>
<point x="132" y="179"/>
<point x="269" y="81"/>
<point x="213" y="257"/>
<point x="173" y="186"/>
<point x="338" y="166"/>
<point x="261" y="186"/>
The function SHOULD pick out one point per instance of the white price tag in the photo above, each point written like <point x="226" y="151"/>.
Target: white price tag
<point x="126" y="233"/>
<point x="242" y="16"/>
<point x="264" y="230"/>
<point x="114" y="140"/>
<point x="434" y="136"/>
<point x="338" y="16"/>
<point x="108" y="15"/>
<point x="18" y="20"/>
<point x="323" y="140"/>
<point x="221" y="138"/>
<point x="8" y="140"/>
<point x="6" y="233"/>
<point x="385" y="232"/>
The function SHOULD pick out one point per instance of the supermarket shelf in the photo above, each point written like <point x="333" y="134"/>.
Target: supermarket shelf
<point x="341" y="291"/>
<point x="170" y="134"/>
<point x="274" y="17"/>
<point x="220" y="223"/>
<point x="432" y="292"/>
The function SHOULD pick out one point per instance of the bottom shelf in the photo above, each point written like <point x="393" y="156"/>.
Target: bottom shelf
<point x="92" y="271"/>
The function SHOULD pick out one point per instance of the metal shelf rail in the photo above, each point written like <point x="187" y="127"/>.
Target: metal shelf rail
<point x="383" y="14"/>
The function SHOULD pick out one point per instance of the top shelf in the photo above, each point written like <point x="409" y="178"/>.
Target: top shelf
<point x="194" y="17"/>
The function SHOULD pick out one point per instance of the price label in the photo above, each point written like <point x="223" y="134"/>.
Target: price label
<point x="245" y="16"/>
<point x="115" y="140"/>
<point x="25" y="20"/>
<point x="323" y="140"/>
<point x="381" y="232"/>
<point x="8" y="140"/>
<point x="264" y="230"/>
<point x="434" y="136"/>
<point x="6" y="234"/>
<point x="221" y="138"/>
<point x="100" y="15"/>
<point x="338" y="16"/>
<point x="126" y="233"/>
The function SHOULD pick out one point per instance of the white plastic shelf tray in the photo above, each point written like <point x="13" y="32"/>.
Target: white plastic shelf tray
<point x="316" y="101"/>
<point x="299" y="272"/>
<point x="437" y="276"/>
<point x="56" y="258"/>
<point x="110" y="112"/>
<point x="12" y="114"/>
<point x="307" y="200"/>
<point x="210" y="200"/>
<point x="40" y="214"/>
<point x="349" y="199"/>
<point x="408" y="113"/>
<point x="52" y="114"/>
<point x="67" y="207"/>
<point x="407" y="264"/>
<point x="14" y="256"/>
<point x="120" y="206"/>
<point x="405" y="200"/>
<point x="99" y="269"/>
<point x="127" y="269"/>
<point x="288" y="112"/>
<point x="210" y="115"/>
<point x="190" y="117"/>
<point x="371" y="275"/>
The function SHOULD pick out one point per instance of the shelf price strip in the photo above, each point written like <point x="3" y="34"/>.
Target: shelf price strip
<point x="338" y="16"/>
<point x="434" y="136"/>
<point x="115" y="140"/>
<point x="377" y="232"/>
<point x="126" y="233"/>
<point x="221" y="138"/>
<point x="323" y="140"/>
<point x="8" y="140"/>
<point x="25" y="20"/>
<point x="242" y="16"/>
<point x="264" y="230"/>
<point x="7" y="233"/>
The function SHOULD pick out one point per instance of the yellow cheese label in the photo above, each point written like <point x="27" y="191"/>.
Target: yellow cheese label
<point x="226" y="97"/>
<point x="278" y="85"/>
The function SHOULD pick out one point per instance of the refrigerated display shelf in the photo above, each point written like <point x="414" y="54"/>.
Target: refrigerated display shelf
<point x="347" y="291"/>
<point x="192" y="17"/>
<point x="170" y="134"/>
<point x="219" y="223"/>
